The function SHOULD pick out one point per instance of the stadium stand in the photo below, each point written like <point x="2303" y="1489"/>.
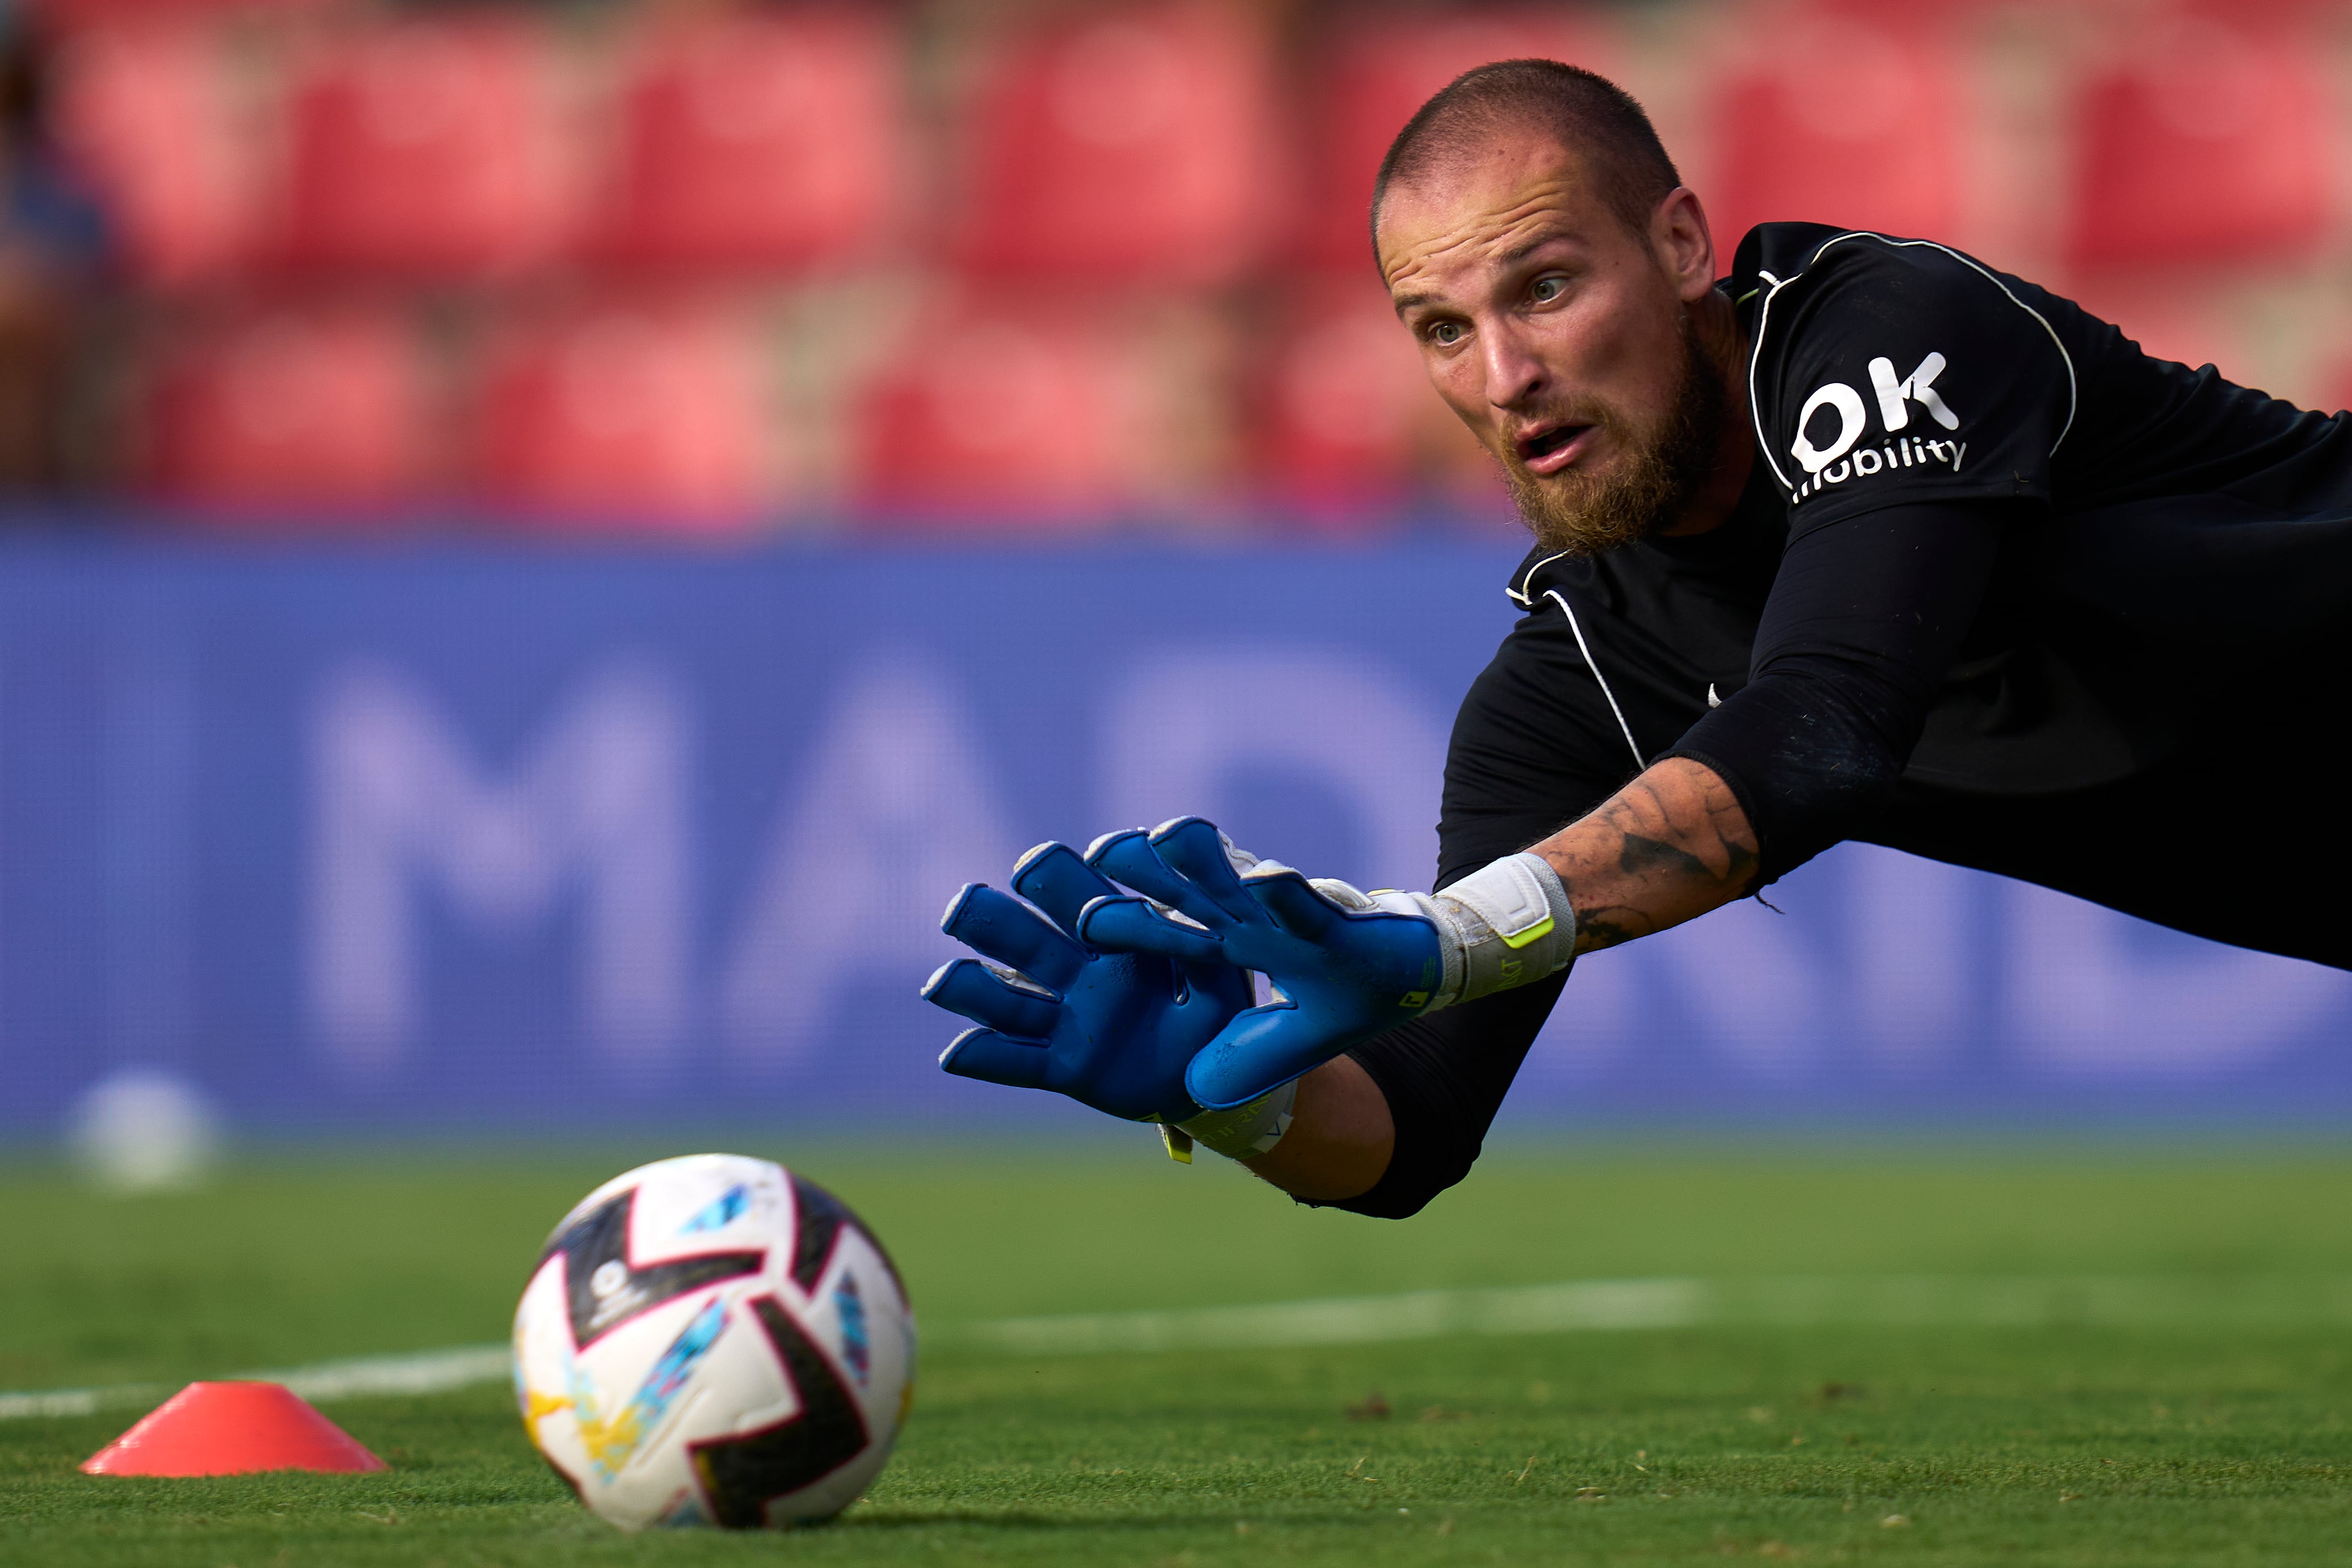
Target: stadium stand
<point x="2212" y="141"/>
<point x="756" y="142"/>
<point x="1833" y="117"/>
<point x="1377" y="74"/>
<point x="1344" y="402"/>
<point x="427" y="150"/>
<point x="661" y="413"/>
<point x="322" y="407"/>
<point x="68" y="16"/>
<point x="2174" y="163"/>
<point x="147" y="111"/>
<point x="1136" y="146"/>
<point x="998" y="409"/>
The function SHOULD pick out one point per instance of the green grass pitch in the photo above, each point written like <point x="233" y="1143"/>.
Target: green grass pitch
<point x="2185" y="1444"/>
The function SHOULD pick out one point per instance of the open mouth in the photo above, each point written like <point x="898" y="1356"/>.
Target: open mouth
<point x="1553" y="448"/>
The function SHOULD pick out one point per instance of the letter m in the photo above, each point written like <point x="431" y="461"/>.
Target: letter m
<point x="1919" y="387"/>
<point x="596" y="803"/>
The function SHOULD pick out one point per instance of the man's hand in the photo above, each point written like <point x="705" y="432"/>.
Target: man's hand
<point x="1348" y="966"/>
<point x="1112" y="1030"/>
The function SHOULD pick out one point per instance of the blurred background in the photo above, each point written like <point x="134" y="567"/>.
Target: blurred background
<point x="691" y="266"/>
<point x="543" y="541"/>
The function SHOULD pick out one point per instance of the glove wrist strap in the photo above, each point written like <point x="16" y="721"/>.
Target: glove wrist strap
<point x="1505" y="924"/>
<point x="1244" y="1132"/>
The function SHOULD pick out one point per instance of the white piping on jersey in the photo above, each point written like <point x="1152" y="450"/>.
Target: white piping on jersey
<point x="1528" y="577"/>
<point x="1764" y="311"/>
<point x="1585" y="649"/>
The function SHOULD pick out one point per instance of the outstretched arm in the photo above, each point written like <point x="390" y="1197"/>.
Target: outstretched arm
<point x="1865" y="619"/>
<point x="1667" y="848"/>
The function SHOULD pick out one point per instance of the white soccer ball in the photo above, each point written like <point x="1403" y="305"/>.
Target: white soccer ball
<point x="713" y="1340"/>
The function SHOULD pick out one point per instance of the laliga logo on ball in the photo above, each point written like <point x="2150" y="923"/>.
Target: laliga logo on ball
<point x="713" y="1340"/>
<point x="1894" y="397"/>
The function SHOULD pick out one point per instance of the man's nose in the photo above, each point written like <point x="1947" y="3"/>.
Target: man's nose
<point x="1513" y="373"/>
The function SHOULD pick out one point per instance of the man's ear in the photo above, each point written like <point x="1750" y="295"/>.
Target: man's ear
<point x="1684" y="247"/>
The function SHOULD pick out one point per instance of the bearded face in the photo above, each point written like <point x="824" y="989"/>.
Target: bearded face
<point x="1589" y="353"/>
<point x="1658" y="468"/>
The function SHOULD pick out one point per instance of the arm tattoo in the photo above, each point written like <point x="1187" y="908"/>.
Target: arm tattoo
<point x="1607" y="928"/>
<point x="1641" y="856"/>
<point x="1673" y="844"/>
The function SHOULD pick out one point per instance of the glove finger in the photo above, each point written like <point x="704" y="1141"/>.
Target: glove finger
<point x="989" y="1056"/>
<point x="1294" y="904"/>
<point x="970" y="987"/>
<point x="1129" y="858"/>
<point x="1003" y="928"/>
<point x="1057" y="880"/>
<point x="1132" y="925"/>
<point x="1192" y="848"/>
<point x="1261" y="1049"/>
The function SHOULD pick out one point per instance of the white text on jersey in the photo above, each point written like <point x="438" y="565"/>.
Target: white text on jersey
<point x="1895" y="397"/>
<point x="1842" y="458"/>
<point x="1909" y="452"/>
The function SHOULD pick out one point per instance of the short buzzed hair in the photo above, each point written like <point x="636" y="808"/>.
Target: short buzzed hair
<point x="1589" y="115"/>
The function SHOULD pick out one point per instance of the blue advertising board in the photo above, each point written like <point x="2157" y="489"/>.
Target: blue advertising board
<point x="466" y="836"/>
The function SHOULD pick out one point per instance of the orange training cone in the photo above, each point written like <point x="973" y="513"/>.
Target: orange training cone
<point x="231" y="1429"/>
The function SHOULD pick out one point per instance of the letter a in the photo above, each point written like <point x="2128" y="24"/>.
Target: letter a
<point x="1918" y="387"/>
<point x="899" y="802"/>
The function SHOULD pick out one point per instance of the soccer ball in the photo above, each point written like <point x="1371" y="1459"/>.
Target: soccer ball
<point x="713" y="1340"/>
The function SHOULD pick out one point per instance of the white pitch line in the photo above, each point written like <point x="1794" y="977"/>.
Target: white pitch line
<point x="428" y="1371"/>
<point x="1348" y="1319"/>
<point x="1588" y="1305"/>
<point x="422" y="1372"/>
<point x="74" y="1401"/>
<point x="1580" y="1305"/>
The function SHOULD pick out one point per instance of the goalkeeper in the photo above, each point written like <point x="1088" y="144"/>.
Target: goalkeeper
<point x="1863" y="540"/>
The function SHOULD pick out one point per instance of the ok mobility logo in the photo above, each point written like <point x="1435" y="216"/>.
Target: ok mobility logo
<point x="1842" y="459"/>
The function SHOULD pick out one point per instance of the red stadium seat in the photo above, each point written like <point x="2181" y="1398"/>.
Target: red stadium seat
<point x="146" y="115"/>
<point x="2214" y="143"/>
<point x="1915" y="11"/>
<point x="764" y="140"/>
<point x="56" y="16"/>
<point x="1346" y="405"/>
<point x="292" y="407"/>
<point x="1132" y="144"/>
<point x="1003" y="410"/>
<point x="1378" y="73"/>
<point x="658" y="414"/>
<point x="426" y="149"/>
<point x="1837" y="119"/>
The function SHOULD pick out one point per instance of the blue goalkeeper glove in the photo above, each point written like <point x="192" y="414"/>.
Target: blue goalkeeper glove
<point x="1111" y="1030"/>
<point x="1348" y="966"/>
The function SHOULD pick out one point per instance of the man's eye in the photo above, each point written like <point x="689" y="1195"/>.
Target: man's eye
<point x="1445" y="334"/>
<point x="1544" y="290"/>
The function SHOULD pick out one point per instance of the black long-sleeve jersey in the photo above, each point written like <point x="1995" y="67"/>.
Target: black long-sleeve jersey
<point x="2002" y="591"/>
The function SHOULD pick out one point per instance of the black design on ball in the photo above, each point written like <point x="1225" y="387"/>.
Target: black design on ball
<point x="740" y="1476"/>
<point x="818" y="1220"/>
<point x="603" y="1290"/>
